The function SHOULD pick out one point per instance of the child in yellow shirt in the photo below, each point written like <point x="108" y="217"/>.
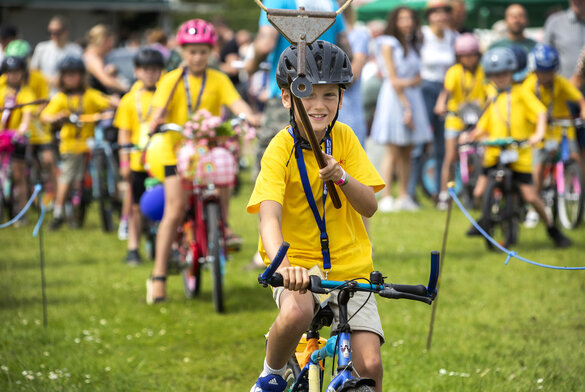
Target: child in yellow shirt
<point x="40" y="136"/>
<point x="463" y="88"/>
<point x="280" y="199"/>
<point x="74" y="98"/>
<point x="16" y="118"/>
<point x="556" y="93"/>
<point x="513" y="113"/>
<point x="131" y="119"/>
<point x="179" y="94"/>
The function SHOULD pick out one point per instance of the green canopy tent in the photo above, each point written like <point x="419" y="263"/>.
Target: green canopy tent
<point x="481" y="13"/>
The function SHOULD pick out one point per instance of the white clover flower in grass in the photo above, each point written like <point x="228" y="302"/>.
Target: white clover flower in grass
<point x="4" y="368"/>
<point x="103" y="322"/>
<point x="186" y="359"/>
<point x="107" y="369"/>
<point x="53" y="376"/>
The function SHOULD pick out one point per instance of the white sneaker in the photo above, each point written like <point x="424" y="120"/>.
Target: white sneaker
<point x="407" y="204"/>
<point x="443" y="201"/>
<point x="387" y="204"/>
<point x="123" y="230"/>
<point x="531" y="219"/>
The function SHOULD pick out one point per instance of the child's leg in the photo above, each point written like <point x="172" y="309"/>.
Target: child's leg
<point x="531" y="197"/>
<point x="450" y="159"/>
<point x="366" y="356"/>
<point x="20" y="184"/>
<point x="480" y="188"/>
<point x="387" y="169"/>
<point x="174" y="213"/>
<point x="403" y="158"/>
<point x="295" y="316"/>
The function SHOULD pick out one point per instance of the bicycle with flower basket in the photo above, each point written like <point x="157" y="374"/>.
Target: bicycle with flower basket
<point x="207" y="161"/>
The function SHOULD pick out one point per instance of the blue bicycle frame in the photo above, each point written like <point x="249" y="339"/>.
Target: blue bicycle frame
<point x="342" y="341"/>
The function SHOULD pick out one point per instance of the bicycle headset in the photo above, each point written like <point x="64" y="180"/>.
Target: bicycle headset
<point x="148" y="57"/>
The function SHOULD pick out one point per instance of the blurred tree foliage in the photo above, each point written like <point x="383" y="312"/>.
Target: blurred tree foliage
<point x="238" y="14"/>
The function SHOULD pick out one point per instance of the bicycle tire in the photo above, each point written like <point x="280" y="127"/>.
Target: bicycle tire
<point x="79" y="209"/>
<point x="498" y="209"/>
<point x="150" y="229"/>
<point x="361" y="388"/>
<point x="570" y="205"/>
<point x="104" y="198"/>
<point x="474" y="167"/>
<point x="214" y="253"/>
<point x="291" y="375"/>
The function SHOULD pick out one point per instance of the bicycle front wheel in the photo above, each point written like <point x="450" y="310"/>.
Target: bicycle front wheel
<point x="570" y="203"/>
<point x="104" y="197"/>
<point x="499" y="213"/>
<point x="215" y="252"/>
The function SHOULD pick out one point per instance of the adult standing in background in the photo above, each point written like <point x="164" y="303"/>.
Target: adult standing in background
<point x="47" y="54"/>
<point x="269" y="44"/>
<point x="8" y="33"/>
<point x="100" y="41"/>
<point x="352" y="111"/>
<point x="437" y="55"/>
<point x="516" y="20"/>
<point x="565" y="31"/>
<point x="459" y="16"/>
<point x="400" y="119"/>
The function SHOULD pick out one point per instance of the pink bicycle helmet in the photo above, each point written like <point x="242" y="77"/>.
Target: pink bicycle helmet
<point x="196" y="31"/>
<point x="466" y="43"/>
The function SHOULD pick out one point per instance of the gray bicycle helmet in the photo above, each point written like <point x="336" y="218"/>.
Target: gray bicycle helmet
<point x="498" y="60"/>
<point x="326" y="64"/>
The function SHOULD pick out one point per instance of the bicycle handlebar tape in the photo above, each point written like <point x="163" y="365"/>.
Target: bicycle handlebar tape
<point x="434" y="277"/>
<point x="418" y="289"/>
<point x="267" y="274"/>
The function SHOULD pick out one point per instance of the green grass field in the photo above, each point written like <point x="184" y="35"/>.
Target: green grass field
<point x="498" y="328"/>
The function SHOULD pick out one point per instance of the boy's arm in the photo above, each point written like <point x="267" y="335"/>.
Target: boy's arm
<point x="441" y="104"/>
<point x="270" y="228"/>
<point x="25" y="122"/>
<point x="541" y="122"/>
<point x="361" y="197"/>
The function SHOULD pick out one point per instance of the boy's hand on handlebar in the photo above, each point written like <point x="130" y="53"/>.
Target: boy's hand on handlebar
<point x="295" y="278"/>
<point x="534" y="140"/>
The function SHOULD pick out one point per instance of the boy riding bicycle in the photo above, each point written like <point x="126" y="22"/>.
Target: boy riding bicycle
<point x="512" y="113"/>
<point x="15" y="118"/>
<point x="332" y="240"/>
<point x="555" y="92"/>
<point x="131" y="119"/>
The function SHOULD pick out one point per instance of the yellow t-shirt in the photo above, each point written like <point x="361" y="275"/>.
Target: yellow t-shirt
<point x="464" y="87"/>
<point x="38" y="84"/>
<point x="218" y="91"/>
<point x="556" y="103"/>
<point x="134" y="117"/>
<point x="74" y="140"/>
<point x="511" y="114"/>
<point x="11" y="119"/>
<point x="349" y="244"/>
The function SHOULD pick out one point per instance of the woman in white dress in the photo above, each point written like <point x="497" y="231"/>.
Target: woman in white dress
<point x="400" y="119"/>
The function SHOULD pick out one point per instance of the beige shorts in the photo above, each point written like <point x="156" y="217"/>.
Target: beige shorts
<point x="367" y="319"/>
<point x="72" y="168"/>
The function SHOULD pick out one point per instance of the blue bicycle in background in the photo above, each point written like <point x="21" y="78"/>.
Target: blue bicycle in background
<point x="308" y="377"/>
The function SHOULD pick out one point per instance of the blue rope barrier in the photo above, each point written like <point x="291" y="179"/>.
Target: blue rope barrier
<point x="36" y="192"/>
<point x="510" y="253"/>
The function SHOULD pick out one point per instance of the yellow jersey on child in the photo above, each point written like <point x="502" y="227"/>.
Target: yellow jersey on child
<point x="279" y="180"/>
<point x="133" y="115"/>
<point x="73" y="138"/>
<point x="511" y="113"/>
<point x="555" y="101"/>
<point x="212" y="92"/>
<point x="11" y="118"/>
<point x="464" y="87"/>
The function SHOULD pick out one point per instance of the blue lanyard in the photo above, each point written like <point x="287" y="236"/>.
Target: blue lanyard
<point x="188" y="91"/>
<point x="311" y="199"/>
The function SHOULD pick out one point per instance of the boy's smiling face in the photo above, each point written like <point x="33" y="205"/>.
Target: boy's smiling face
<point x="321" y="106"/>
